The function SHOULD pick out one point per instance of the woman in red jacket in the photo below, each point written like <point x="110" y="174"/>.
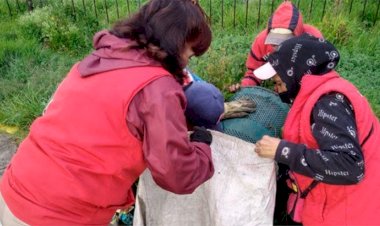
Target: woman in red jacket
<point x="330" y="138"/>
<point x="118" y="111"/>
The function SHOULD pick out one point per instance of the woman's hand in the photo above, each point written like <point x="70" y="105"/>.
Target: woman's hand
<point x="267" y="146"/>
<point x="234" y="88"/>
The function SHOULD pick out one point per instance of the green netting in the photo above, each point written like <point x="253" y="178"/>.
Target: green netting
<point x="268" y="118"/>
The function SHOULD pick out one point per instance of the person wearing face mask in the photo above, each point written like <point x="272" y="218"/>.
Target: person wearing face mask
<point x="119" y="111"/>
<point x="330" y="137"/>
<point x="286" y="22"/>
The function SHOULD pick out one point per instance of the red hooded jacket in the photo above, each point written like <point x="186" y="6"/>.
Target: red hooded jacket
<point x="115" y="114"/>
<point x="286" y="16"/>
<point x="328" y="204"/>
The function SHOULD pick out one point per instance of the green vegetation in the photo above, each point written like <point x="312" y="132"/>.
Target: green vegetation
<point x="37" y="49"/>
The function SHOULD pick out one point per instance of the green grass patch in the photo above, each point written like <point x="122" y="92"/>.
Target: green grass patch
<point x="37" y="49"/>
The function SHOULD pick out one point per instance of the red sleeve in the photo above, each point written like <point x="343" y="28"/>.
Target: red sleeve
<point x="156" y="116"/>
<point x="255" y="59"/>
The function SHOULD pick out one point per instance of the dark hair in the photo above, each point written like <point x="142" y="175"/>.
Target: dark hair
<point x="164" y="27"/>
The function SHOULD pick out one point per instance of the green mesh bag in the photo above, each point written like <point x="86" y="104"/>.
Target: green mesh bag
<point x="268" y="118"/>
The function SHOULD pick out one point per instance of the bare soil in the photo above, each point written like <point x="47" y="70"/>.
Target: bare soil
<point x="7" y="150"/>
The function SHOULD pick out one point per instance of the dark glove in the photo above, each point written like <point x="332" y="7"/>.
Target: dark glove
<point x="201" y="134"/>
<point x="238" y="108"/>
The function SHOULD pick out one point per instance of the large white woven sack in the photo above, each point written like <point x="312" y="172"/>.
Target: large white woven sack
<point x="241" y="192"/>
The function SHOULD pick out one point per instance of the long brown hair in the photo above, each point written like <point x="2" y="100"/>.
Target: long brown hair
<point x="164" y="27"/>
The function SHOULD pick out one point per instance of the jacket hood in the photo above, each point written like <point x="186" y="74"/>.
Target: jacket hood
<point x="112" y="53"/>
<point x="287" y="16"/>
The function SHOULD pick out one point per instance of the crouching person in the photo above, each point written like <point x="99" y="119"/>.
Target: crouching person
<point x="331" y="137"/>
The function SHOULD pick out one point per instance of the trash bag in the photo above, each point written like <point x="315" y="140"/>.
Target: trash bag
<point x="268" y="118"/>
<point x="241" y="192"/>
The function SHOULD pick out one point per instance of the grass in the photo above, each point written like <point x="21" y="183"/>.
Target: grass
<point x="29" y="74"/>
<point x="38" y="49"/>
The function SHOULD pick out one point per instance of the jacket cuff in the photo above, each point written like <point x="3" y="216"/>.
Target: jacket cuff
<point x="287" y="152"/>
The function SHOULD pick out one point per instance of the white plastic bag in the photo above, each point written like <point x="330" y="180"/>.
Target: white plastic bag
<point x="241" y="192"/>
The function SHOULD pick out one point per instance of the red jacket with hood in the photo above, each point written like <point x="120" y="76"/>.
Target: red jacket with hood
<point x="286" y="16"/>
<point x="337" y="204"/>
<point x="116" y="113"/>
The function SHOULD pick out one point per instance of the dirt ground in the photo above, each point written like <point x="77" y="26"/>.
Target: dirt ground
<point x="7" y="149"/>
